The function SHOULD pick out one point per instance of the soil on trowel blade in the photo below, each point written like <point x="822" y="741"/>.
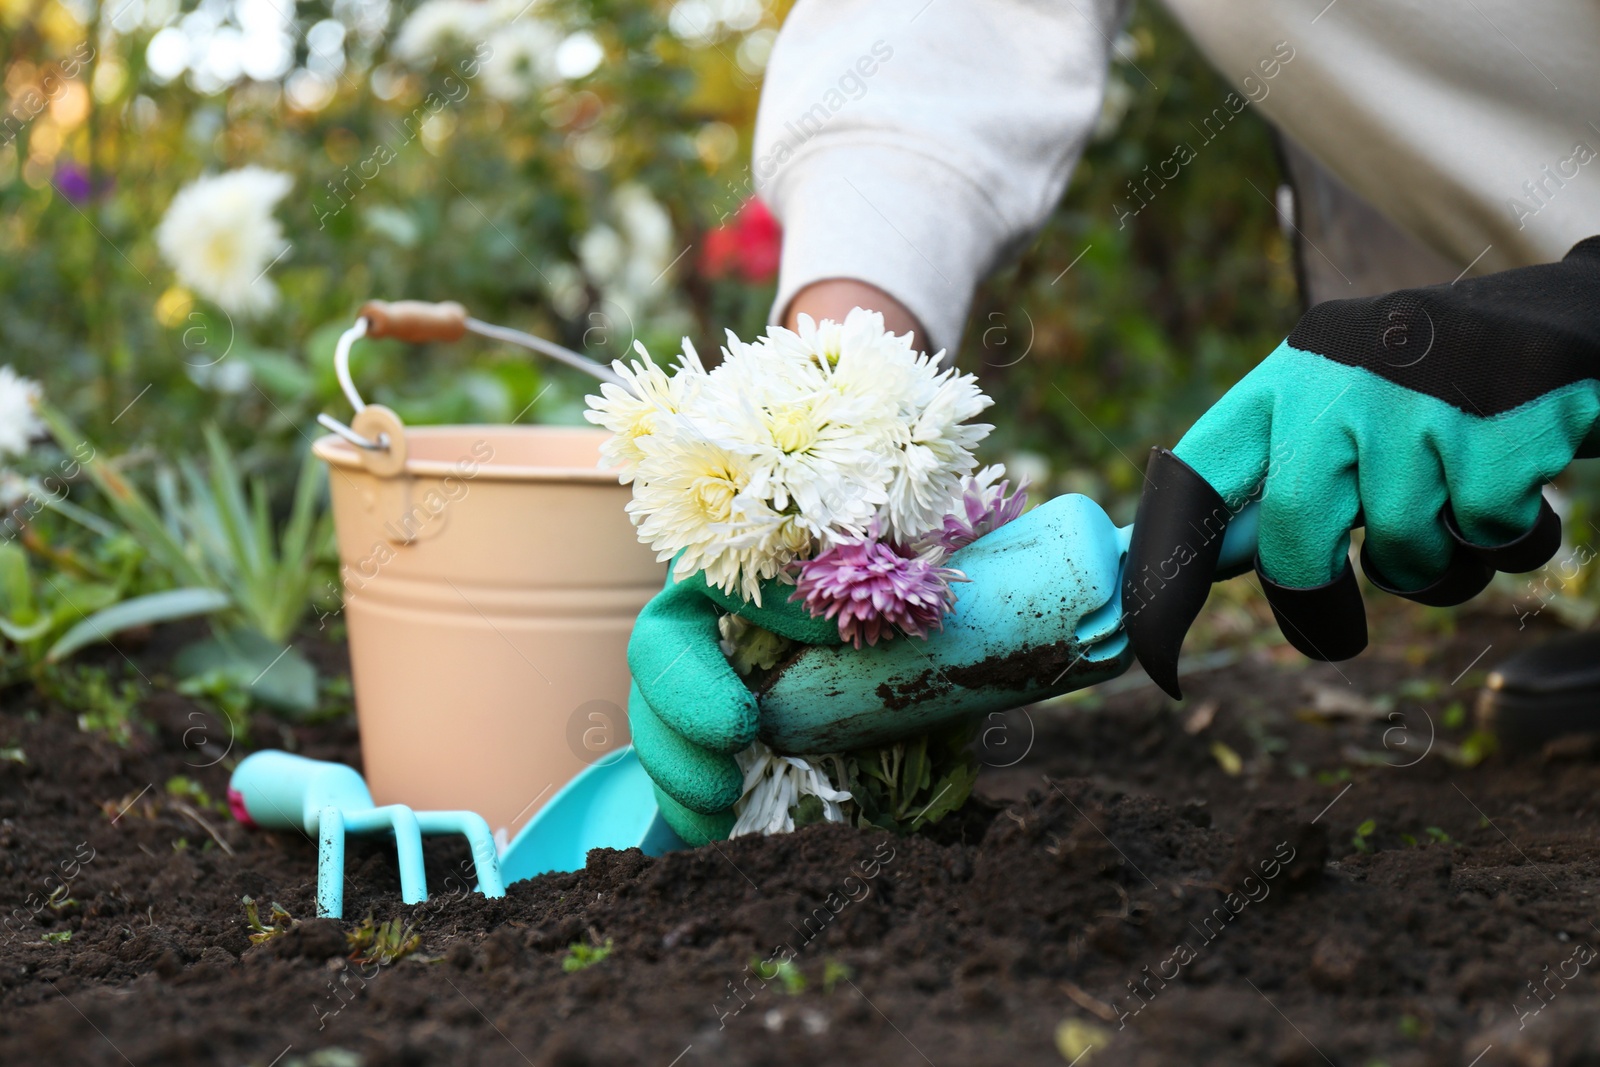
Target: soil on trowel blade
<point x="1300" y="864"/>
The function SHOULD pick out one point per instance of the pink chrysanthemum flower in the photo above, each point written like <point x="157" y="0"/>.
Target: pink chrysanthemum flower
<point x="984" y="508"/>
<point x="873" y="589"/>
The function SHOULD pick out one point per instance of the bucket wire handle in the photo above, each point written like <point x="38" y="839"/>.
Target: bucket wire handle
<point x="341" y="367"/>
<point x="417" y="321"/>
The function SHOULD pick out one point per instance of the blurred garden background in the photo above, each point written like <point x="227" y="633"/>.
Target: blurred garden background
<point x="575" y="168"/>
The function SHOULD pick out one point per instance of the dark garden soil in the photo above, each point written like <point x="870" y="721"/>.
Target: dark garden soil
<point x="1167" y="883"/>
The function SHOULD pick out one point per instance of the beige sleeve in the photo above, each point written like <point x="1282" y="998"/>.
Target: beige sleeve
<point x="915" y="144"/>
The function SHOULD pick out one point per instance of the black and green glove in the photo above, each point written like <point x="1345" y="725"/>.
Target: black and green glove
<point x="1432" y="416"/>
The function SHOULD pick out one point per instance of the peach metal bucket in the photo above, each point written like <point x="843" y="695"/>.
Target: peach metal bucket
<point x="491" y="578"/>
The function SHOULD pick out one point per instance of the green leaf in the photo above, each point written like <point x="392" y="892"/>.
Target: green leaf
<point x="275" y="675"/>
<point x="22" y="633"/>
<point x="131" y="507"/>
<point x="280" y="375"/>
<point x="808" y="812"/>
<point x="581" y="955"/>
<point x="16" y="588"/>
<point x="139" y="611"/>
<point x="949" y="794"/>
<point x="916" y="770"/>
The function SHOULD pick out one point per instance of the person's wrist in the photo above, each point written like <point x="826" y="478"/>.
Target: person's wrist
<point x="833" y="298"/>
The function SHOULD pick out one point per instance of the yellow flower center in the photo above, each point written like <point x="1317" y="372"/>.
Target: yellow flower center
<point x="793" y="430"/>
<point x="643" y="424"/>
<point x="221" y="249"/>
<point x="793" y="538"/>
<point x="713" y="494"/>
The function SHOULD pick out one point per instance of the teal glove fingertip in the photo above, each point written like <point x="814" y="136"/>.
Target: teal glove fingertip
<point x="678" y="666"/>
<point x="694" y="828"/>
<point x="699" y="779"/>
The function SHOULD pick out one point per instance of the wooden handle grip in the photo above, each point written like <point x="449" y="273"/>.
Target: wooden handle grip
<point x="415" y="320"/>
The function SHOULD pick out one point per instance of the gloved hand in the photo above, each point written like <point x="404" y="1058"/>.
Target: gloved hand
<point x="688" y="710"/>
<point x="1038" y="616"/>
<point x="1431" y="415"/>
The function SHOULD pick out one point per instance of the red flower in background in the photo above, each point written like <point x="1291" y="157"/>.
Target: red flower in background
<point x="748" y="245"/>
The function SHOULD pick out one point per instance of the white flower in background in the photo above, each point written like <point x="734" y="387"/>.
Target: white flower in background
<point x="522" y="59"/>
<point x="602" y="252"/>
<point x="627" y="258"/>
<point x="773" y="785"/>
<point x="228" y="376"/>
<point x="14" y="489"/>
<point x="564" y="283"/>
<point x="19" y="419"/>
<point x="579" y="56"/>
<point x="220" y="236"/>
<point x="644" y="220"/>
<point x="441" y="26"/>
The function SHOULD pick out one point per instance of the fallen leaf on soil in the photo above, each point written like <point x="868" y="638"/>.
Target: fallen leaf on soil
<point x="1074" y="1039"/>
<point x="1333" y="701"/>
<point x="1201" y="716"/>
<point x="1229" y="760"/>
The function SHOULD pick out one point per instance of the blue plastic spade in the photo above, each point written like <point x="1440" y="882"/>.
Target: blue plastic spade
<point x="611" y="804"/>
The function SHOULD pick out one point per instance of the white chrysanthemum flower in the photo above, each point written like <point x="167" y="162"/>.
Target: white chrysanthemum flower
<point x="19" y="417"/>
<point x="796" y="443"/>
<point x="807" y="450"/>
<point x="522" y="59"/>
<point x="634" y="411"/>
<point x="442" y="26"/>
<point x="916" y="412"/>
<point x="220" y="236"/>
<point x="939" y="456"/>
<point x="773" y="785"/>
<point x="689" y="497"/>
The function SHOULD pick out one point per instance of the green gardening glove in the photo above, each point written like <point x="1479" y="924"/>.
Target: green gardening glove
<point x="1432" y="416"/>
<point x="700" y="711"/>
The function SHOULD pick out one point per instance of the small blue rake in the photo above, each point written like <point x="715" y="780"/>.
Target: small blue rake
<point x="282" y="791"/>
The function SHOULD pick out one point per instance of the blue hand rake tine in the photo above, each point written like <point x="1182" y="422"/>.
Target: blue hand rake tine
<point x="408" y="827"/>
<point x="472" y="826"/>
<point x="333" y="826"/>
<point x="330" y="863"/>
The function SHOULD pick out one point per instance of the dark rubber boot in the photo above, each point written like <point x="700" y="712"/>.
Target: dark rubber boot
<point x="1548" y="691"/>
